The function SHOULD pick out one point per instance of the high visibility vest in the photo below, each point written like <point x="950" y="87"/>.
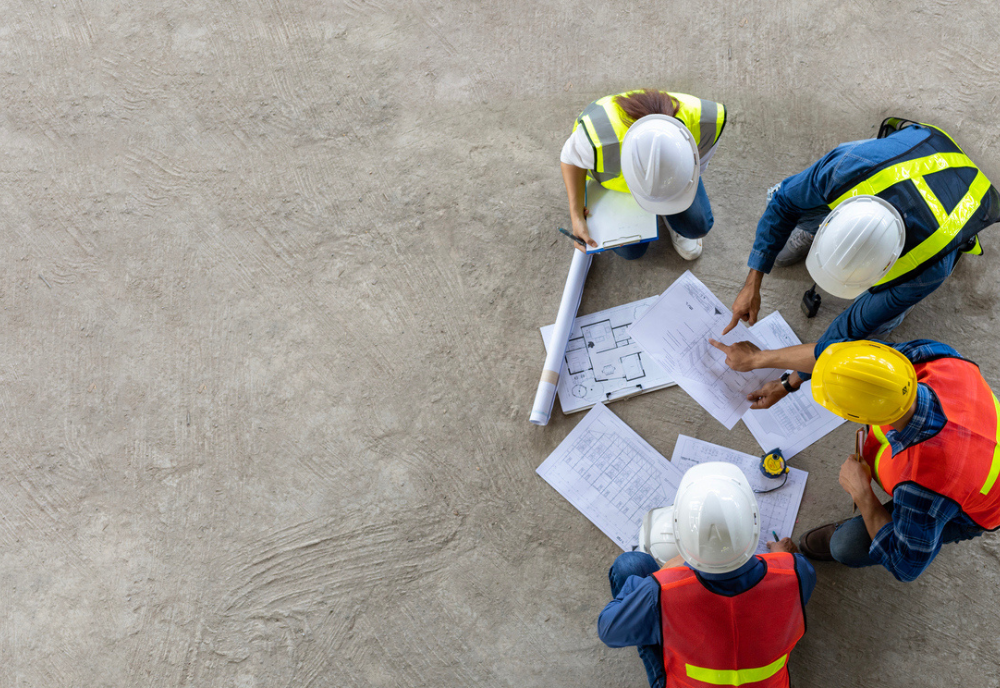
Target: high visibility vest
<point x="605" y="124"/>
<point x="940" y="194"/>
<point x="715" y="640"/>
<point x="962" y="461"/>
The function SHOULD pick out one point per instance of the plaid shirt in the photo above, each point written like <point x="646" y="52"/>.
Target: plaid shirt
<point x="908" y="544"/>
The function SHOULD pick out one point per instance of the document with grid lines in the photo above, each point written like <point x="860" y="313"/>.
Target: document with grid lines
<point x="611" y="475"/>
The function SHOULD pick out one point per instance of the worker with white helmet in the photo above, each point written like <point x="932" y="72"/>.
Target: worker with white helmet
<point x="932" y="442"/>
<point x="654" y="145"/>
<point x="880" y="221"/>
<point x="713" y="584"/>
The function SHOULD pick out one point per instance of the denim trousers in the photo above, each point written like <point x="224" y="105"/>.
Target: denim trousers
<point x="642" y="565"/>
<point x="693" y="223"/>
<point x="850" y="542"/>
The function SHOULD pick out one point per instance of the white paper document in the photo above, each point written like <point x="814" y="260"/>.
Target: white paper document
<point x="602" y="362"/>
<point x="675" y="333"/>
<point x="778" y="509"/>
<point x="611" y="475"/>
<point x="615" y="219"/>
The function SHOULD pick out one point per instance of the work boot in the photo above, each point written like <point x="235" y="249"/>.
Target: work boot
<point x="795" y="249"/>
<point x="815" y="544"/>
<point x="688" y="249"/>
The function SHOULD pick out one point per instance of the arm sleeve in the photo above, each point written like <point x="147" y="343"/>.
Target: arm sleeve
<point x="807" y="577"/>
<point x="811" y="189"/>
<point x="907" y="545"/>
<point x="632" y="618"/>
<point x="870" y="311"/>
<point x="577" y="150"/>
<point x="920" y="350"/>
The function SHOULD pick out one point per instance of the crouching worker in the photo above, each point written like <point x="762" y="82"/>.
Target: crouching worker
<point x="714" y="614"/>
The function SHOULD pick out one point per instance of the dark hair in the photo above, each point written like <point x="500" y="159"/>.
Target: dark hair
<point x="638" y="104"/>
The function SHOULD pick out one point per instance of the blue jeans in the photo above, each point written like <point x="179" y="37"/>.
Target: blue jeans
<point x="850" y="542"/>
<point x="693" y="223"/>
<point x="642" y="565"/>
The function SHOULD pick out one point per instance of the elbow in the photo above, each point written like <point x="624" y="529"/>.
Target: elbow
<point x="605" y="630"/>
<point x="905" y="576"/>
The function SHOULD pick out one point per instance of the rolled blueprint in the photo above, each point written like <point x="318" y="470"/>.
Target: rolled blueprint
<point x="572" y="293"/>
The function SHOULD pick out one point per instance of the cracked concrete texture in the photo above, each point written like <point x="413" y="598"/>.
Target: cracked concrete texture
<point x="272" y="283"/>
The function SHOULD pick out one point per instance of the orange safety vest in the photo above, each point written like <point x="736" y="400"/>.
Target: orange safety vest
<point x="714" y="640"/>
<point x="962" y="461"/>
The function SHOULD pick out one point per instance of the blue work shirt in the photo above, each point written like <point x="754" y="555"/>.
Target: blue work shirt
<point x="633" y="618"/>
<point x="806" y="196"/>
<point x="907" y="545"/>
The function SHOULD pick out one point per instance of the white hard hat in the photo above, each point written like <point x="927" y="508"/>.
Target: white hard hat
<point x="716" y="519"/>
<point x="659" y="160"/>
<point x="856" y="246"/>
<point x="656" y="534"/>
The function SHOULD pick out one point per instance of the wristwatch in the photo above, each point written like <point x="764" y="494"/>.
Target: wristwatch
<point x="786" y="384"/>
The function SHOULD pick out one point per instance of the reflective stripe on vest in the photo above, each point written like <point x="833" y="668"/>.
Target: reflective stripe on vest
<point x="949" y="225"/>
<point x="605" y="125"/>
<point x="737" y="677"/>
<point x="991" y="478"/>
<point x="883" y="447"/>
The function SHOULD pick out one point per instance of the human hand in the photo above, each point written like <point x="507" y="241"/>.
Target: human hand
<point x="745" y="307"/>
<point x="580" y="231"/>
<point x="856" y="477"/>
<point x="671" y="563"/>
<point x="768" y="395"/>
<point x="740" y="356"/>
<point x="783" y="545"/>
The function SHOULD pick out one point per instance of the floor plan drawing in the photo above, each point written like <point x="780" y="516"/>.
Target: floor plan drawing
<point x="611" y="475"/>
<point x="603" y="362"/>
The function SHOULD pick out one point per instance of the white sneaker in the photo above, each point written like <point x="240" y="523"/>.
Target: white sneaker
<point x="688" y="249"/>
<point x="795" y="249"/>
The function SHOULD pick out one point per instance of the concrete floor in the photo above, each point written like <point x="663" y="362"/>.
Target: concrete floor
<point x="272" y="279"/>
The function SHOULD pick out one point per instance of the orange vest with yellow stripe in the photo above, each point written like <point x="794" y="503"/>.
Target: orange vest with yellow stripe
<point x="714" y="640"/>
<point x="962" y="462"/>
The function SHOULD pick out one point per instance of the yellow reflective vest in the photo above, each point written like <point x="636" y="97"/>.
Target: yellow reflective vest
<point x="944" y="199"/>
<point x="605" y="125"/>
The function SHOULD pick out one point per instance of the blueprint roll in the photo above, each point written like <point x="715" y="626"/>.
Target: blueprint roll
<point x="541" y="411"/>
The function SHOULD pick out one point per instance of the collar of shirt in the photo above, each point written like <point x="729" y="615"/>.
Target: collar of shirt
<point x="928" y="420"/>
<point x="734" y="582"/>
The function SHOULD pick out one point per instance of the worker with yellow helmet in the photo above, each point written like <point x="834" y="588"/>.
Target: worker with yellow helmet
<point x="932" y="442"/>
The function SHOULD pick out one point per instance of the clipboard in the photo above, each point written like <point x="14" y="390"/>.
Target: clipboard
<point x="615" y="219"/>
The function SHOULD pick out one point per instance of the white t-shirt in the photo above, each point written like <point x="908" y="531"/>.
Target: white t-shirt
<point x="578" y="152"/>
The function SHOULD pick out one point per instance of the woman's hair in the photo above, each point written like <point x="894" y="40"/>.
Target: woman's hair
<point x="638" y="104"/>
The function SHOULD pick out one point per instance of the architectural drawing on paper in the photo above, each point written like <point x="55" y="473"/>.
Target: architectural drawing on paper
<point x="611" y="475"/>
<point x="603" y="362"/>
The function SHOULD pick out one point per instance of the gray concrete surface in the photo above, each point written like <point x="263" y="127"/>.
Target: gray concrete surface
<point x="272" y="279"/>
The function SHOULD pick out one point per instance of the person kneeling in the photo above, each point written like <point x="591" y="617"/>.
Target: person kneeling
<point x="750" y="607"/>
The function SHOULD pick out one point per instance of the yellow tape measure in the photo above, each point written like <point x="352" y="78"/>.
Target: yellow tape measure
<point x="772" y="464"/>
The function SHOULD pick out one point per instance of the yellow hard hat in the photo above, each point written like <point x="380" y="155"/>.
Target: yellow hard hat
<point x="864" y="381"/>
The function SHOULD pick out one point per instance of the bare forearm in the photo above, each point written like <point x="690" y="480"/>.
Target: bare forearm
<point x="754" y="279"/>
<point x="575" y="179"/>
<point x="875" y="515"/>
<point x="798" y="357"/>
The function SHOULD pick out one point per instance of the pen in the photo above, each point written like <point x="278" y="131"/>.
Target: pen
<point x="775" y="534"/>
<point x="574" y="238"/>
